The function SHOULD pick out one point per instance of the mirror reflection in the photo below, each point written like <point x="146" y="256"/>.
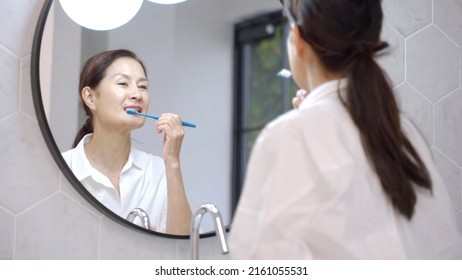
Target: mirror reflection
<point x="188" y="52"/>
<point x="103" y="158"/>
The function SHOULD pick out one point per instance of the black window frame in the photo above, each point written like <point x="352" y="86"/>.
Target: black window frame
<point x="246" y="32"/>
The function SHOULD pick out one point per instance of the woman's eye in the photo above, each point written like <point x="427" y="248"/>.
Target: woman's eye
<point x="122" y="84"/>
<point x="143" y="87"/>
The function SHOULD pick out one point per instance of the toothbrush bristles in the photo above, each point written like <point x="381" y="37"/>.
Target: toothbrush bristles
<point x="284" y="73"/>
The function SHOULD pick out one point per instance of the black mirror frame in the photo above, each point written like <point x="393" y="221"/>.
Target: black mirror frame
<point x="51" y="144"/>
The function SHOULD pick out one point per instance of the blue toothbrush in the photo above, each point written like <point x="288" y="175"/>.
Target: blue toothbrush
<point x="133" y="112"/>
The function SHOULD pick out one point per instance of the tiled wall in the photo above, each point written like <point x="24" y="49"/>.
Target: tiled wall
<point x="42" y="217"/>
<point x="427" y="74"/>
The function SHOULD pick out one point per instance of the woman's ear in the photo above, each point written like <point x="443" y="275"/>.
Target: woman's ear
<point x="298" y="41"/>
<point x="87" y="97"/>
<point x="302" y="48"/>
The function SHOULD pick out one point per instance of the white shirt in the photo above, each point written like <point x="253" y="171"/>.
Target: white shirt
<point x="310" y="193"/>
<point x="142" y="184"/>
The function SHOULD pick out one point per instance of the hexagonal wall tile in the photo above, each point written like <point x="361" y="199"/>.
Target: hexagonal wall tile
<point x="26" y="164"/>
<point x="6" y="234"/>
<point x="26" y="104"/>
<point x="68" y="190"/>
<point x="9" y="87"/>
<point x="121" y="242"/>
<point x="448" y="126"/>
<point x="445" y="11"/>
<point x="450" y="173"/>
<point x="393" y="59"/>
<point x="57" y="228"/>
<point x="432" y="63"/>
<point x="407" y="16"/>
<point x="18" y="36"/>
<point x="417" y="108"/>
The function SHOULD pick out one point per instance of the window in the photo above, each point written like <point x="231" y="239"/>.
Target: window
<point x="260" y="96"/>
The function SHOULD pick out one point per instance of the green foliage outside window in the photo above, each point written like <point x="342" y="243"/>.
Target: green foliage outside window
<point x="265" y="99"/>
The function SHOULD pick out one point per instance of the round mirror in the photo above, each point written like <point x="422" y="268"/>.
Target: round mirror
<point x="188" y="50"/>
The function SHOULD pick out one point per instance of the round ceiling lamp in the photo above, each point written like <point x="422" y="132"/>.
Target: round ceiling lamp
<point x="167" y="1"/>
<point x="101" y="14"/>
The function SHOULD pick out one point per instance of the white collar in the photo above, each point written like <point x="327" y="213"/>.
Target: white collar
<point x="324" y="90"/>
<point x="83" y="169"/>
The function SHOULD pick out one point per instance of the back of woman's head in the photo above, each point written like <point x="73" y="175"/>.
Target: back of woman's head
<point x="345" y="36"/>
<point x="93" y="72"/>
<point x="338" y="30"/>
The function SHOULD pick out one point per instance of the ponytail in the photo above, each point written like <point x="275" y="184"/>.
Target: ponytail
<point x="86" y="129"/>
<point x="372" y="106"/>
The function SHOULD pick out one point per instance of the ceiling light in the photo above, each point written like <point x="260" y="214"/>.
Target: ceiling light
<point x="167" y="1"/>
<point x="101" y="14"/>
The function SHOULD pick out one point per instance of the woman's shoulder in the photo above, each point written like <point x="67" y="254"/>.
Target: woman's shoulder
<point x="78" y="149"/>
<point x="320" y="118"/>
<point x="68" y="155"/>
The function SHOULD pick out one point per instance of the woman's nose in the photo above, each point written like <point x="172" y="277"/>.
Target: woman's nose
<point x="135" y="93"/>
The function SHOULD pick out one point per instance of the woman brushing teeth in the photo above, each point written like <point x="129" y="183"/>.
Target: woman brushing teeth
<point x="105" y="161"/>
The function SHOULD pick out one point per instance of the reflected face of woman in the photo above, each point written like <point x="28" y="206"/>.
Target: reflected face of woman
<point x="124" y="87"/>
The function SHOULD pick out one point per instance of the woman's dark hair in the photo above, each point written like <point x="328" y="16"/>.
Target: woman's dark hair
<point x="345" y="36"/>
<point x="93" y="72"/>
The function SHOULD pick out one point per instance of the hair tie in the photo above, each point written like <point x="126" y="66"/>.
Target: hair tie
<point x="368" y="48"/>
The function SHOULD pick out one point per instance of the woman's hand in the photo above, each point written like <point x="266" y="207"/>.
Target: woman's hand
<point x="170" y="125"/>
<point x="299" y="97"/>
